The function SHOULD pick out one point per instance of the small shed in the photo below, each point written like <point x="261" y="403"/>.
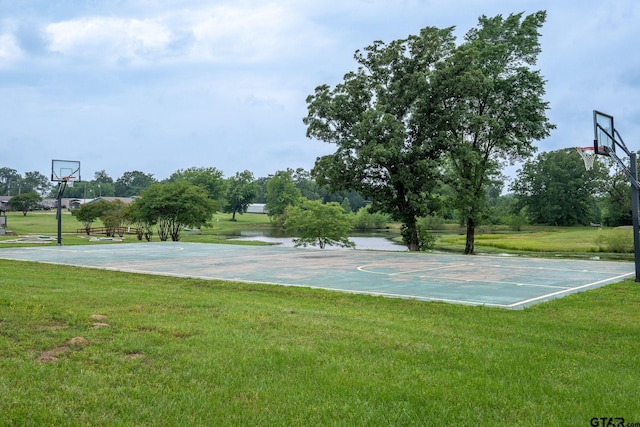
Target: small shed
<point x="257" y="208"/>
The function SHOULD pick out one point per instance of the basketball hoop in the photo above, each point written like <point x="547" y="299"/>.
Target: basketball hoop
<point x="588" y="156"/>
<point x="69" y="180"/>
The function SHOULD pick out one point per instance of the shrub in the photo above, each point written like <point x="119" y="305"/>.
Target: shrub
<point x="516" y="221"/>
<point x="431" y="222"/>
<point x="616" y="241"/>
<point x="365" y="220"/>
<point x="426" y="240"/>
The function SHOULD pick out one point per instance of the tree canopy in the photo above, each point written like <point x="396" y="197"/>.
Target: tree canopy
<point x="319" y="224"/>
<point x="133" y="183"/>
<point x="89" y="212"/>
<point x="492" y="102"/>
<point x="7" y="176"/>
<point x="242" y="191"/>
<point x="209" y="178"/>
<point x="25" y="202"/>
<point x="417" y="104"/>
<point x="556" y="189"/>
<point x="386" y="127"/>
<point x="172" y="206"/>
<point x="281" y="193"/>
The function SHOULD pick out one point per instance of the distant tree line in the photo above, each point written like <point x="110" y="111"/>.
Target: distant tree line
<point x="553" y="188"/>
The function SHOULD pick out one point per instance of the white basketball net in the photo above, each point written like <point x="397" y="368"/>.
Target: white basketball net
<point x="588" y="156"/>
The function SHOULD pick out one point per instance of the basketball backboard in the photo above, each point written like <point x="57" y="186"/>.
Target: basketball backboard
<point x="603" y="131"/>
<point x="65" y="171"/>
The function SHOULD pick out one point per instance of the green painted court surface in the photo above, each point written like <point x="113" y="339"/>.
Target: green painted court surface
<point x="507" y="282"/>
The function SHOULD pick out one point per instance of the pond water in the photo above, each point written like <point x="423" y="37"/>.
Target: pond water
<point x="364" y="241"/>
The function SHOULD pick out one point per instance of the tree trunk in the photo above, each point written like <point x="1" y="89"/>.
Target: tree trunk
<point x="410" y="235"/>
<point x="469" y="248"/>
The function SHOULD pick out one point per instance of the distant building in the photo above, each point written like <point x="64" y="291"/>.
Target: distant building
<point x="257" y="208"/>
<point x="75" y="203"/>
<point x="125" y="200"/>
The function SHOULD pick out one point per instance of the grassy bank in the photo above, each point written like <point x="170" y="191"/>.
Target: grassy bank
<point x="167" y="351"/>
<point x="45" y="223"/>
<point x="549" y="241"/>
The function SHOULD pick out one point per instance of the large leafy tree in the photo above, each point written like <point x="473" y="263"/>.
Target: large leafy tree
<point x="89" y="212"/>
<point x="7" y="176"/>
<point x="209" y="178"/>
<point x="492" y="99"/>
<point x="102" y="177"/>
<point x="113" y="216"/>
<point x="133" y="183"/>
<point x="319" y="224"/>
<point x="101" y="185"/>
<point x="306" y="184"/>
<point x="261" y="184"/>
<point x="386" y="127"/>
<point x="172" y="206"/>
<point x="616" y="201"/>
<point x="25" y="202"/>
<point x="33" y="182"/>
<point x="242" y="191"/>
<point x="556" y="189"/>
<point x="281" y="193"/>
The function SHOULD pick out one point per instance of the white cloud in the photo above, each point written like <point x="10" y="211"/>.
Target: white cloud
<point x="109" y="38"/>
<point x="237" y="33"/>
<point x="246" y="34"/>
<point x="9" y="49"/>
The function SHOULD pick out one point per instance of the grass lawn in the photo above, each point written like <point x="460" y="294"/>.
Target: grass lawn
<point x="91" y="347"/>
<point x="168" y="351"/>
<point x="45" y="223"/>
<point x="567" y="241"/>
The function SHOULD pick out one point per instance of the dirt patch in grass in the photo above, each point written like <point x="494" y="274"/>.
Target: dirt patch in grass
<point x="77" y="341"/>
<point x="134" y="356"/>
<point x="50" y="355"/>
<point x="100" y="325"/>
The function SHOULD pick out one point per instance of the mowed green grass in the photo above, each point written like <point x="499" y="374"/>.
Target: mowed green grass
<point x="168" y="351"/>
<point x="44" y="223"/>
<point x="541" y="240"/>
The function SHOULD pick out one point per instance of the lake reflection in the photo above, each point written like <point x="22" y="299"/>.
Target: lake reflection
<point x="370" y="242"/>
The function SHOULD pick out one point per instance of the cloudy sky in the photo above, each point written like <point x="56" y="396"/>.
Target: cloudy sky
<point x="162" y="85"/>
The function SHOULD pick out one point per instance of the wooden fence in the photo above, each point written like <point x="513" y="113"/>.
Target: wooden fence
<point x="120" y="231"/>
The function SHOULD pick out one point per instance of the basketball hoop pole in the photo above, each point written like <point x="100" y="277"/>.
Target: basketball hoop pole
<point x="61" y="186"/>
<point x="63" y="172"/>
<point x="632" y="174"/>
<point x="635" y="212"/>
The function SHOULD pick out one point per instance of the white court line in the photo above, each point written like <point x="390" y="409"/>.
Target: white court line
<point x="507" y="267"/>
<point x="570" y="290"/>
<point x="108" y="250"/>
<point x="498" y="282"/>
<point x="364" y="270"/>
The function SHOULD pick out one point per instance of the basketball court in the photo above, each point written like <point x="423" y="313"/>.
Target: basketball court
<point x="506" y="282"/>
